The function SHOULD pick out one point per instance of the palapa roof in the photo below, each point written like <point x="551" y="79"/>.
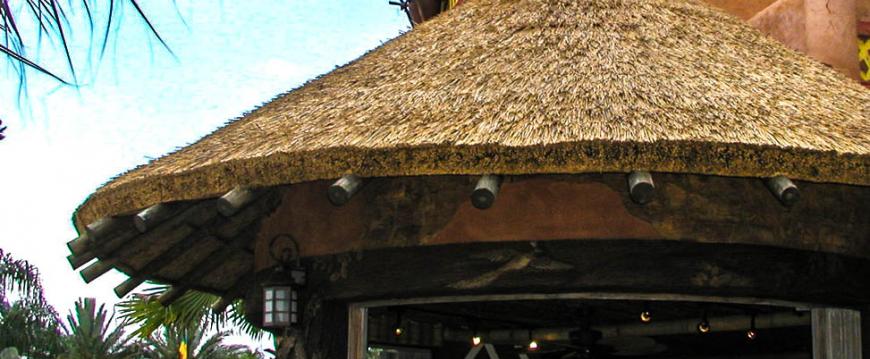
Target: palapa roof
<point x="537" y="86"/>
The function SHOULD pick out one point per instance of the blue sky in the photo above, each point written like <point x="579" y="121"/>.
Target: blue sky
<point x="139" y="102"/>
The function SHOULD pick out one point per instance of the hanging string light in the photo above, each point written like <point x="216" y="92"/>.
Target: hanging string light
<point x="533" y="344"/>
<point x="646" y="314"/>
<point x="704" y="324"/>
<point x="397" y="329"/>
<point x="752" y="333"/>
<point x="476" y="339"/>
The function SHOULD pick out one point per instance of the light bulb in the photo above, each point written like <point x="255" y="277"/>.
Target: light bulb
<point x="399" y="331"/>
<point x="476" y="340"/>
<point x="533" y="345"/>
<point x="645" y="316"/>
<point x="751" y="334"/>
<point x="704" y="327"/>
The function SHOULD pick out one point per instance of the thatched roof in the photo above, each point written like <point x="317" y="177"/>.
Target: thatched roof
<point x="538" y="86"/>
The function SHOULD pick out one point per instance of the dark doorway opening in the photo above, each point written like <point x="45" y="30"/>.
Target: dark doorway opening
<point x="593" y="329"/>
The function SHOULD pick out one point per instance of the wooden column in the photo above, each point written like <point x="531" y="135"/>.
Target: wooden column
<point x="357" y="332"/>
<point x="836" y="333"/>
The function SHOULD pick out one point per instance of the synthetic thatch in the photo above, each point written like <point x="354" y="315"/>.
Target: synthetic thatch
<point x="538" y="86"/>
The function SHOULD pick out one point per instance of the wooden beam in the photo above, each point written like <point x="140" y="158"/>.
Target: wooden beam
<point x="95" y="270"/>
<point x="836" y="333"/>
<point x="486" y="191"/>
<point x="784" y="190"/>
<point x="109" y="227"/>
<point x="641" y="187"/>
<point x="76" y="261"/>
<point x="499" y="268"/>
<point x="171" y="295"/>
<point x="128" y="285"/>
<point x="156" y="214"/>
<point x="342" y="190"/>
<point x="80" y="244"/>
<point x="233" y="201"/>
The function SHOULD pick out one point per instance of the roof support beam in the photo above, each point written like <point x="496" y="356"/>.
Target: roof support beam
<point x="233" y="201"/>
<point x="784" y="190"/>
<point x="641" y="187"/>
<point x="155" y="215"/>
<point x="486" y="191"/>
<point x="342" y="190"/>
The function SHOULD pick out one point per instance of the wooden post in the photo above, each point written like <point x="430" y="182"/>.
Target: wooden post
<point x="357" y="332"/>
<point x="784" y="189"/>
<point x="641" y="187"/>
<point x="342" y="190"/>
<point x="485" y="192"/>
<point x="836" y="333"/>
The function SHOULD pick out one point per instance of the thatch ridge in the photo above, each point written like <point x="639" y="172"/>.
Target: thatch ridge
<point x="538" y="86"/>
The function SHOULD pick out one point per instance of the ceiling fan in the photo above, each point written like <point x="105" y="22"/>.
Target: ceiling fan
<point x="587" y="343"/>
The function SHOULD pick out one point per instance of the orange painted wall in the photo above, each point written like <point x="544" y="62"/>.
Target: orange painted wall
<point x="744" y="9"/>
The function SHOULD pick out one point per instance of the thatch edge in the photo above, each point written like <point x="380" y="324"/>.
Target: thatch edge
<point x="737" y="160"/>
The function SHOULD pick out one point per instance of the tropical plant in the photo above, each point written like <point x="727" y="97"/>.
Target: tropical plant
<point x="90" y="336"/>
<point x="143" y="312"/>
<point x="27" y="322"/>
<point x="191" y="342"/>
<point x="50" y="19"/>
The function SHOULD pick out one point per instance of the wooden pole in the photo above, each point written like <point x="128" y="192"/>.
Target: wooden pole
<point x="233" y="201"/>
<point x="836" y="333"/>
<point x="155" y="215"/>
<point x="486" y="191"/>
<point x="95" y="270"/>
<point x="357" y="332"/>
<point x="641" y="187"/>
<point x="127" y="286"/>
<point x="80" y="244"/>
<point x="76" y="261"/>
<point x="342" y="190"/>
<point x="784" y="190"/>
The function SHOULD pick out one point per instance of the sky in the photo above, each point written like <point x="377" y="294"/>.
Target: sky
<point x="139" y="102"/>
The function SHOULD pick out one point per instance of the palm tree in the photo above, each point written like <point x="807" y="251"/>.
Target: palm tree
<point x="50" y="19"/>
<point x="143" y="312"/>
<point x="27" y="323"/>
<point x="193" y="342"/>
<point x="89" y="335"/>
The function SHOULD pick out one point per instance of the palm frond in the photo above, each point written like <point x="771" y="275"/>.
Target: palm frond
<point x="143" y="312"/>
<point x="51" y="22"/>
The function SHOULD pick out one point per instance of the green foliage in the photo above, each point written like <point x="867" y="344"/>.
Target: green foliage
<point x="27" y="321"/>
<point x="146" y="314"/>
<point x="198" y="345"/>
<point x="90" y="335"/>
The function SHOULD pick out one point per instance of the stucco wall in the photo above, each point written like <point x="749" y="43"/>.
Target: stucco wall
<point x="743" y="9"/>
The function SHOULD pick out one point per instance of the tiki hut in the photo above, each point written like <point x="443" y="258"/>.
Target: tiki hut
<point x="526" y="170"/>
